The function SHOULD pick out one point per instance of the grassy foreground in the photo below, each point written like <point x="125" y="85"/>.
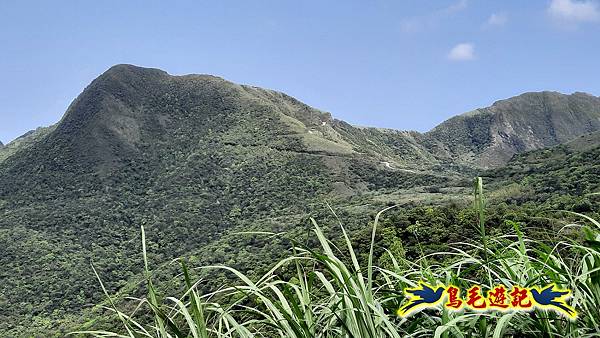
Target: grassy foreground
<point x="333" y="293"/>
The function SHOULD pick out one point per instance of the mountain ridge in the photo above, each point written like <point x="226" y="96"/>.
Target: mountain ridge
<point x="486" y="137"/>
<point x="196" y="158"/>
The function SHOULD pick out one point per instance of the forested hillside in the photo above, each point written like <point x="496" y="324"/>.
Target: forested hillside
<point x="489" y="137"/>
<point x="569" y="169"/>
<point x="197" y="160"/>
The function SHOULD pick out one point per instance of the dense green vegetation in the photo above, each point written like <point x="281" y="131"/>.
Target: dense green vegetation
<point x="345" y="290"/>
<point x="204" y="158"/>
<point x="200" y="162"/>
<point x="569" y="169"/>
<point x="489" y="137"/>
<point x="24" y="142"/>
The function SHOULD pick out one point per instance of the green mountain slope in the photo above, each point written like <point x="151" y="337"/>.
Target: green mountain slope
<point x="197" y="159"/>
<point x="489" y="137"/>
<point x="188" y="157"/>
<point x="571" y="168"/>
<point x="24" y="142"/>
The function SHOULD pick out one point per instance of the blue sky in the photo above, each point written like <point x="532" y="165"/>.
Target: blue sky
<point x="396" y="64"/>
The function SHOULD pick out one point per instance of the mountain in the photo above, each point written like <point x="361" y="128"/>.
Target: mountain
<point x="192" y="158"/>
<point x="489" y="137"/>
<point x="149" y="122"/>
<point x="197" y="160"/>
<point x="571" y="168"/>
<point x="24" y="141"/>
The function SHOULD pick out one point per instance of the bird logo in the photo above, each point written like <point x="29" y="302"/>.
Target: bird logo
<point x="550" y="297"/>
<point x="422" y="296"/>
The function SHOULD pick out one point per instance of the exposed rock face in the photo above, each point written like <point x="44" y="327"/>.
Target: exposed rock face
<point x="489" y="137"/>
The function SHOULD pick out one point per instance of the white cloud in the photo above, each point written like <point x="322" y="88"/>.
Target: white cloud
<point x="574" y="11"/>
<point x="497" y="19"/>
<point x="462" y="52"/>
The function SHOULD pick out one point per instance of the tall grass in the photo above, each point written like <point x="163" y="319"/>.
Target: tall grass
<point x="332" y="295"/>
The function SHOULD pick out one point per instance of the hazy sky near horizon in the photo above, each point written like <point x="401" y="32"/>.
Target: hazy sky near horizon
<point x="385" y="63"/>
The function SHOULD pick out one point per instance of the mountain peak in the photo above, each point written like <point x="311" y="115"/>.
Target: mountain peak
<point x="125" y="71"/>
<point x="543" y="96"/>
<point x="491" y="136"/>
<point x="129" y="69"/>
<point x="129" y="109"/>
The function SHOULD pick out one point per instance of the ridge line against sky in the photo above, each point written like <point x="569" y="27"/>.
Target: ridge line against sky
<point x="403" y="65"/>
